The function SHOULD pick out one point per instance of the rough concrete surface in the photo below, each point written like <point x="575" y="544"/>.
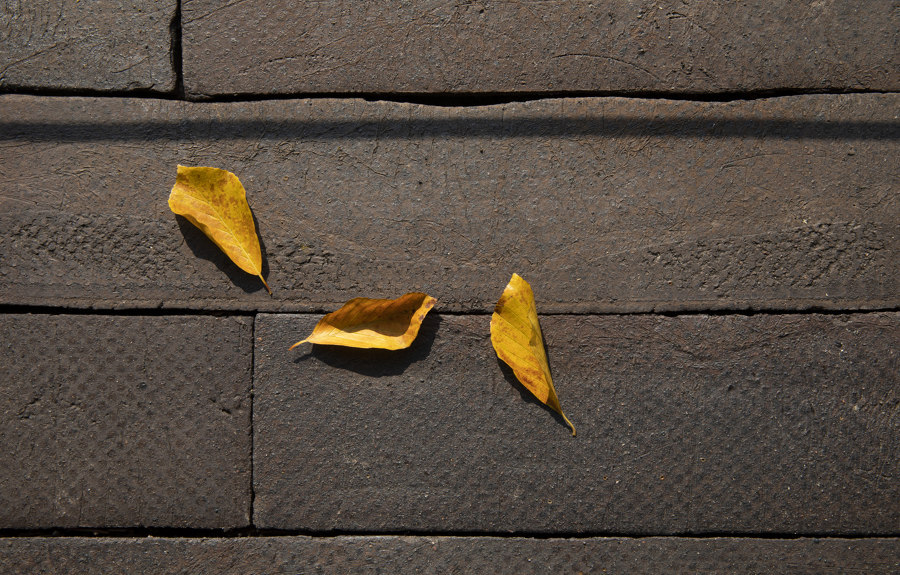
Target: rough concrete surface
<point x="445" y="555"/>
<point x="112" y="421"/>
<point x="603" y="204"/>
<point x="336" y="46"/>
<point x="779" y="424"/>
<point x="98" y="45"/>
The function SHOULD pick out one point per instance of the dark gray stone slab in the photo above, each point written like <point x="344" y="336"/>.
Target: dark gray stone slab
<point x="605" y="205"/>
<point x="782" y="424"/>
<point x="97" y="45"/>
<point x="334" y="46"/>
<point x="442" y="555"/>
<point x="114" y="421"/>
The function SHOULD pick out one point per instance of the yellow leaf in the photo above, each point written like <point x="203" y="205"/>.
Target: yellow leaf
<point x="368" y="323"/>
<point x="215" y="201"/>
<point x="516" y="335"/>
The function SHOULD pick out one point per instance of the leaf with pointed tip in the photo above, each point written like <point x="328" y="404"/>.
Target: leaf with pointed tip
<point x="516" y="336"/>
<point x="215" y="201"/>
<point x="373" y="323"/>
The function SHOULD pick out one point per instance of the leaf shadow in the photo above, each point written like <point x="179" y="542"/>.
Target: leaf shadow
<point x="527" y="396"/>
<point x="204" y="248"/>
<point x="378" y="362"/>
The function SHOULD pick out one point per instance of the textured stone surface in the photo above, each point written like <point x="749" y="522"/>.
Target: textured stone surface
<point x="124" y="421"/>
<point x="602" y="204"/>
<point x="96" y="45"/>
<point x="785" y="424"/>
<point x="443" y="555"/>
<point x="265" y="46"/>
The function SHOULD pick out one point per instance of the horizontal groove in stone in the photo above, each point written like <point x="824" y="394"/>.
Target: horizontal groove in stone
<point x="441" y="555"/>
<point x="427" y="46"/>
<point x="701" y="424"/>
<point x="106" y="45"/>
<point x="124" y="421"/>
<point x="604" y="204"/>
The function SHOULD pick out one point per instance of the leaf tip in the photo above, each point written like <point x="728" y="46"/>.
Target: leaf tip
<point x="569" y="422"/>
<point x="298" y="343"/>
<point x="268" y="289"/>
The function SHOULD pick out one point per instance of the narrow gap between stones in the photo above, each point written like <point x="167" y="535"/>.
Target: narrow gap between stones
<point x="252" y="419"/>
<point x="686" y="313"/>
<point x="443" y="100"/>
<point x="476" y="99"/>
<point x="246" y="532"/>
<point x="131" y="311"/>
<point x="158" y="312"/>
<point x="176" y="52"/>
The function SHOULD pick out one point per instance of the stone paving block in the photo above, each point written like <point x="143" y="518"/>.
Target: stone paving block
<point x="97" y="45"/>
<point x="614" y="46"/>
<point x="443" y="555"/>
<point x="603" y="204"/>
<point x="115" y="421"/>
<point x="778" y="424"/>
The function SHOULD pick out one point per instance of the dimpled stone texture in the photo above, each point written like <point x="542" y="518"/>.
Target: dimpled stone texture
<point x="780" y="424"/>
<point x="97" y="45"/>
<point x="618" y="46"/>
<point x="115" y="421"/>
<point x="443" y="555"/>
<point x="603" y="204"/>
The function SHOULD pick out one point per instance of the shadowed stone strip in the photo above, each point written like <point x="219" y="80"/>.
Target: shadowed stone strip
<point x="441" y="555"/>
<point x="115" y="421"/>
<point x="780" y="424"/>
<point x="104" y="45"/>
<point x="613" y="46"/>
<point x="603" y="205"/>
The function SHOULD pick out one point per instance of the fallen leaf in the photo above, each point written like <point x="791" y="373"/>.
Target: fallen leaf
<point x="373" y="323"/>
<point x="215" y="201"/>
<point x="516" y="336"/>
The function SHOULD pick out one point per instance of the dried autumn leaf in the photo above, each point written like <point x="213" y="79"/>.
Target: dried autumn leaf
<point x="516" y="336"/>
<point x="215" y="201"/>
<point x="373" y="323"/>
